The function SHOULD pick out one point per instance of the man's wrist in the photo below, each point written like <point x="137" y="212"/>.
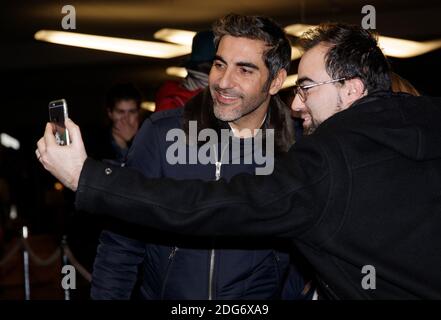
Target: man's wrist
<point x="75" y="179"/>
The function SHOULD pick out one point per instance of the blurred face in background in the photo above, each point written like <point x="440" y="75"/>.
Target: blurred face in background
<point x="125" y="121"/>
<point x="125" y="111"/>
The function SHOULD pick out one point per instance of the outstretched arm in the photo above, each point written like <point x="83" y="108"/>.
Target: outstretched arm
<point x="286" y="203"/>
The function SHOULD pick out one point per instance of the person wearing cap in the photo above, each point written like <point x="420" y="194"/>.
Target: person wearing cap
<point x="134" y="262"/>
<point x="174" y="94"/>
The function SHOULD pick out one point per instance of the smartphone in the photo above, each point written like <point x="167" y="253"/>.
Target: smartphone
<point x="57" y="115"/>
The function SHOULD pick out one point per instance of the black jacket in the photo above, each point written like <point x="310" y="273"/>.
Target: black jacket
<point x="176" y="267"/>
<point x="363" y="190"/>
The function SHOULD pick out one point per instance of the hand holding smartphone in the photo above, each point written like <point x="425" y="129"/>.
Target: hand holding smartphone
<point x="57" y="115"/>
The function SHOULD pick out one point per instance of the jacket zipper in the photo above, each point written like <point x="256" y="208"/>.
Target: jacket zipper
<point x="212" y="251"/>
<point x="218" y="169"/>
<point x="219" y="161"/>
<point x="170" y="262"/>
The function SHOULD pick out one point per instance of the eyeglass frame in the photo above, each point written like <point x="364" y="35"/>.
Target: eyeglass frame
<point x="299" y="88"/>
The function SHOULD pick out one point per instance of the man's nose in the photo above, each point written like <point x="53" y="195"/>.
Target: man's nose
<point x="226" y="79"/>
<point x="297" y="105"/>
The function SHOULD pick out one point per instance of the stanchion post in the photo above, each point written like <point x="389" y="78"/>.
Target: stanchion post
<point x="64" y="262"/>
<point x="27" y="286"/>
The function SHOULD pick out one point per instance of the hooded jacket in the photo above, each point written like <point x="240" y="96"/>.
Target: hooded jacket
<point x="360" y="197"/>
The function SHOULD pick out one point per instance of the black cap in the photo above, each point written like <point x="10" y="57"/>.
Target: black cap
<point x="202" y="49"/>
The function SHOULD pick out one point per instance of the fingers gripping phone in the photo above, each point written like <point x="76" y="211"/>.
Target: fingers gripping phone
<point x="57" y="115"/>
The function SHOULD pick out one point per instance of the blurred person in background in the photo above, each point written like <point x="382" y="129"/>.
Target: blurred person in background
<point x="122" y="107"/>
<point x="174" y="94"/>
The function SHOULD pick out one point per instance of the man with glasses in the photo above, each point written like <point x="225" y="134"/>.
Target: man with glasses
<point x="301" y="90"/>
<point x="360" y="196"/>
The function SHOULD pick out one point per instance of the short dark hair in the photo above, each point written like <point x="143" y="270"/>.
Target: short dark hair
<point x="353" y="53"/>
<point x="122" y="91"/>
<point x="278" y="54"/>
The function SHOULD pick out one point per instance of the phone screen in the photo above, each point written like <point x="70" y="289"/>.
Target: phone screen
<point x="57" y="115"/>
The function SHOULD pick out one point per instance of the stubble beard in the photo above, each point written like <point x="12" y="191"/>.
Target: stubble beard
<point x="239" y="112"/>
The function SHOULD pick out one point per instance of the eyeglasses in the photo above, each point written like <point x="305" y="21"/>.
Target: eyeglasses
<point x="303" y="90"/>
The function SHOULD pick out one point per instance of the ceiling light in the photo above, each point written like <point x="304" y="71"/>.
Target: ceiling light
<point x="401" y="48"/>
<point x="185" y="38"/>
<point x="148" y="105"/>
<point x="296" y="53"/>
<point x="121" y="45"/>
<point x="297" y="29"/>
<point x="182" y="37"/>
<point x="392" y="47"/>
<point x="290" y="81"/>
<point x="176" y="71"/>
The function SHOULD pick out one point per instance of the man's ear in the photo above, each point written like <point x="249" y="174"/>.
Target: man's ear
<point x="277" y="82"/>
<point x="351" y="91"/>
